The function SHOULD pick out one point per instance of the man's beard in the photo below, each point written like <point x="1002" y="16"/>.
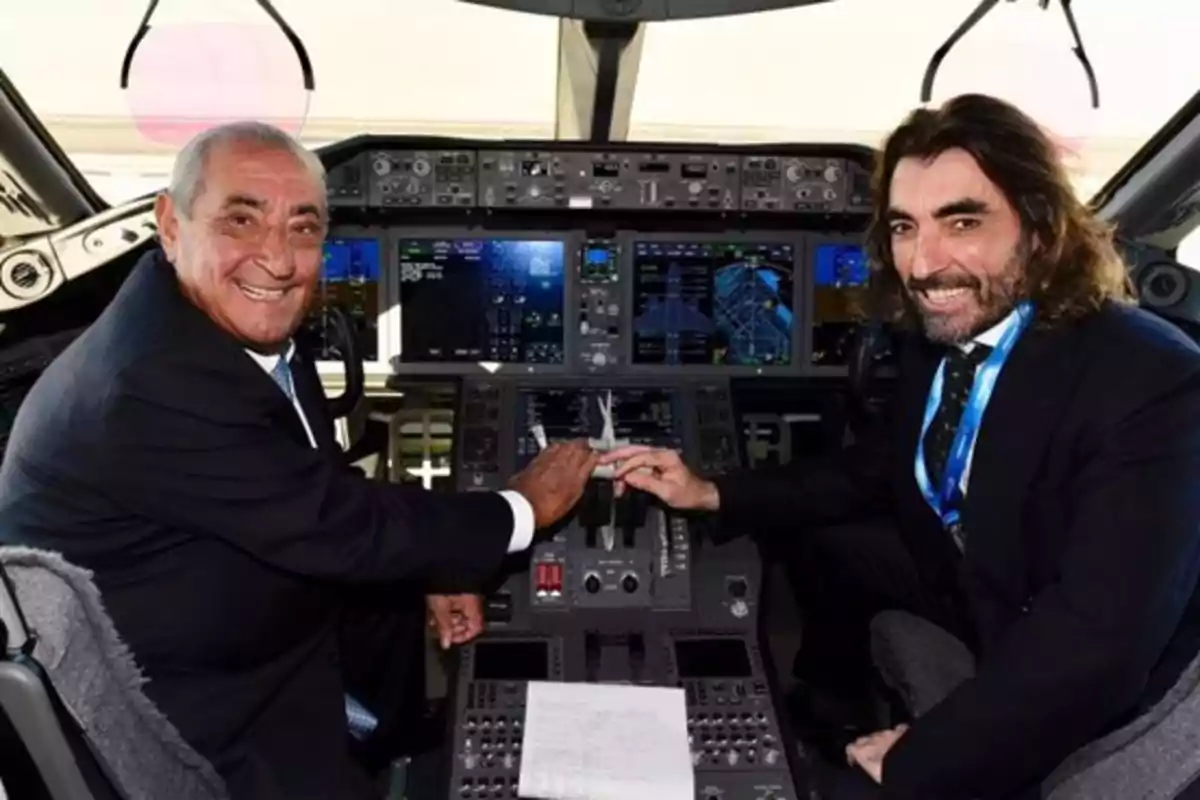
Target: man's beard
<point x="990" y="301"/>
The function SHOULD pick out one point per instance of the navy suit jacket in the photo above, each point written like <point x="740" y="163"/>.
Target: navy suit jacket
<point x="157" y="454"/>
<point x="1078" y="586"/>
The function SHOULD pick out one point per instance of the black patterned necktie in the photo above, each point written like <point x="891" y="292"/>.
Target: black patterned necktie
<point x="957" y="380"/>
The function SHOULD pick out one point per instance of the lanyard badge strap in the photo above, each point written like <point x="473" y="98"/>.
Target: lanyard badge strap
<point x="946" y="499"/>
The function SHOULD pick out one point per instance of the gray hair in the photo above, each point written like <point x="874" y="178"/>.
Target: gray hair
<point x="187" y="176"/>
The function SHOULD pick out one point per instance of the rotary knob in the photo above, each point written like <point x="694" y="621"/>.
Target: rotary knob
<point x="591" y="583"/>
<point x="629" y="583"/>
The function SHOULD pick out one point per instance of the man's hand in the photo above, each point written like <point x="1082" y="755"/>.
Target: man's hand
<point x="553" y="482"/>
<point x="455" y="618"/>
<point x="663" y="474"/>
<point x="868" y="751"/>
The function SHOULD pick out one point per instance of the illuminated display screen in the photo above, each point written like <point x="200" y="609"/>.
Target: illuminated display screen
<point x="495" y="300"/>
<point x="715" y="303"/>
<point x="350" y="272"/>
<point x="841" y="275"/>
<point x="841" y="265"/>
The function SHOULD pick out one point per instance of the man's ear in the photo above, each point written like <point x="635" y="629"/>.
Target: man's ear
<point x="167" y="219"/>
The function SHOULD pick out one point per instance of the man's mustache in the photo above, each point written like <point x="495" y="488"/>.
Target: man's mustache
<point x="934" y="282"/>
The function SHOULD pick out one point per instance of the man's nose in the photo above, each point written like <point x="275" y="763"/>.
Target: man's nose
<point x="278" y="256"/>
<point x="929" y="255"/>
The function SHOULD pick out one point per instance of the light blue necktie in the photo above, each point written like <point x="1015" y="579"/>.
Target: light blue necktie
<point x="360" y="721"/>
<point x="281" y="373"/>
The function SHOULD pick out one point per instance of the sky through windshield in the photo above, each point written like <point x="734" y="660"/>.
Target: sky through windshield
<point x="843" y="71"/>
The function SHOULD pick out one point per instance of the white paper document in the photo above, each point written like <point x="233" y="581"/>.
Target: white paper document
<point x="588" y="741"/>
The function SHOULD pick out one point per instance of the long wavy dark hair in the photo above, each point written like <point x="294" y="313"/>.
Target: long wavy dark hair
<point x="1072" y="266"/>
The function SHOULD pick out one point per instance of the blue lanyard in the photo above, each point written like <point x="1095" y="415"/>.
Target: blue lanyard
<point x="946" y="501"/>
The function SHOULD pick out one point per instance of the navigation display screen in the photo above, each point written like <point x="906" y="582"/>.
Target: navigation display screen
<point x="713" y="303"/>
<point x="498" y="300"/>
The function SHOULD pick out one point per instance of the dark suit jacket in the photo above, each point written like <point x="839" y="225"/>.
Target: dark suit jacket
<point x="1078" y="585"/>
<point x="156" y="453"/>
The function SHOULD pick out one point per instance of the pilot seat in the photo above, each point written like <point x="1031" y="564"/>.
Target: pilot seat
<point x="1154" y="755"/>
<point x="71" y="695"/>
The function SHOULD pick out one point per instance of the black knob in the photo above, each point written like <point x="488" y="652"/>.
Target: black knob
<point x="591" y="583"/>
<point x="737" y="587"/>
<point x="629" y="583"/>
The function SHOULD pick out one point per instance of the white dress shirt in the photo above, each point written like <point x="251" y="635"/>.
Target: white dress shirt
<point x="523" y="525"/>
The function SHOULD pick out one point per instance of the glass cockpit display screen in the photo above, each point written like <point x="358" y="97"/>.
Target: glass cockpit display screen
<point x="713" y="303"/>
<point x="841" y="276"/>
<point x="841" y="266"/>
<point x="512" y="661"/>
<point x="350" y="270"/>
<point x="712" y="658"/>
<point x="469" y="299"/>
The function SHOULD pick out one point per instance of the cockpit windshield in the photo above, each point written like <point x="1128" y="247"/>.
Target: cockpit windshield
<point x="843" y="71"/>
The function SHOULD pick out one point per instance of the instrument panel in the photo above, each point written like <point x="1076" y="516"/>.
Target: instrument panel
<point x="466" y="258"/>
<point x="470" y="301"/>
<point x="571" y="291"/>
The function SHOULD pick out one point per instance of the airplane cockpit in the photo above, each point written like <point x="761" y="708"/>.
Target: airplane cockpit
<point x="668" y="258"/>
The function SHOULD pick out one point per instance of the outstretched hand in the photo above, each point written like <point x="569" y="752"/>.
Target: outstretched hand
<point x="662" y="473"/>
<point x="554" y="481"/>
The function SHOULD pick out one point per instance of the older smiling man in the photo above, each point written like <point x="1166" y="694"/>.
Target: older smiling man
<point x="180" y="449"/>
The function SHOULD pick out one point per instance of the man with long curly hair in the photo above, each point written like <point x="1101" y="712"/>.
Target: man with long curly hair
<point x="1039" y="480"/>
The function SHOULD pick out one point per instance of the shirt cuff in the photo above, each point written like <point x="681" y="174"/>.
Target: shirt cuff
<point x="522" y="511"/>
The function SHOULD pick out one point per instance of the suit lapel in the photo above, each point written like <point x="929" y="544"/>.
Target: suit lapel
<point x="154" y="278"/>
<point x="154" y="285"/>
<point x="311" y="396"/>
<point x="1026" y="406"/>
